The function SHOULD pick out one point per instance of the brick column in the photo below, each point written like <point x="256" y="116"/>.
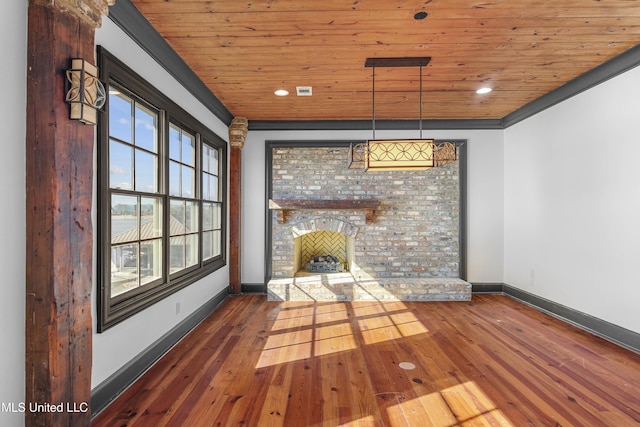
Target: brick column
<point x="237" y="136"/>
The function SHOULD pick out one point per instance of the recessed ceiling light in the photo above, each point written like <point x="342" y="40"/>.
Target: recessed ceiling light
<point x="420" y="16"/>
<point x="484" y="90"/>
<point x="281" y="92"/>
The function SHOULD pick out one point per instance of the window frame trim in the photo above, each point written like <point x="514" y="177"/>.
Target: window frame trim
<point x="110" y="313"/>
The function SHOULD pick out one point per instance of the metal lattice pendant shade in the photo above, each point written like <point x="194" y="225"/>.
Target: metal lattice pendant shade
<point x="401" y="154"/>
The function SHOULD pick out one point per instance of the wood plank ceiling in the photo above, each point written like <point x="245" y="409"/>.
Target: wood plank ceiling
<point x="245" y="50"/>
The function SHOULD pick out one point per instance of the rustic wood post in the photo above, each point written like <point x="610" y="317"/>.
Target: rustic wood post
<point x="59" y="180"/>
<point x="237" y="136"/>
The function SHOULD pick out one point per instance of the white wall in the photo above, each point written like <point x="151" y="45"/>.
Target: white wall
<point x="13" y="30"/>
<point x="572" y="202"/>
<point x="485" y="198"/>
<point x="119" y="344"/>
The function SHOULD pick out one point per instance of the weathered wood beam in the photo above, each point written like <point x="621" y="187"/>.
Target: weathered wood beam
<point x="237" y="136"/>
<point x="59" y="170"/>
<point x="282" y="206"/>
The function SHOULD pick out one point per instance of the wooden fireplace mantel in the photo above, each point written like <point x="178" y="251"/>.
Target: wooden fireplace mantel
<point x="282" y="206"/>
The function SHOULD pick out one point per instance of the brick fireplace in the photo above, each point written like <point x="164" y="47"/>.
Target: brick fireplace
<point x="407" y="248"/>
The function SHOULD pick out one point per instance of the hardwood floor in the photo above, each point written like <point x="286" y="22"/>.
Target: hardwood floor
<point x="488" y="362"/>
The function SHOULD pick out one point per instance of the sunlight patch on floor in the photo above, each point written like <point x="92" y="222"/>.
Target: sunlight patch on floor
<point x="301" y="344"/>
<point x="368" y="421"/>
<point x="301" y="331"/>
<point x="412" y="412"/>
<point x="460" y="405"/>
<point x="334" y="345"/>
<point x="394" y="326"/>
<point x="378" y="329"/>
<point x="288" y="338"/>
<point x="293" y="323"/>
<point x="285" y="354"/>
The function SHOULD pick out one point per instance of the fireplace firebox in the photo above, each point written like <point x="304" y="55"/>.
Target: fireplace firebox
<point x="322" y="251"/>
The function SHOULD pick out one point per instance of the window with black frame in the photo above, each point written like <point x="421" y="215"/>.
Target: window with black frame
<point x="161" y="196"/>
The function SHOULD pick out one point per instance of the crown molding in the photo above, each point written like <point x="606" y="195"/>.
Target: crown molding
<point x="600" y="74"/>
<point x="135" y="25"/>
<point x="273" y="125"/>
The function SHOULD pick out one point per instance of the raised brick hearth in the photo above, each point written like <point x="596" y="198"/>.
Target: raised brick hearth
<point x="344" y="287"/>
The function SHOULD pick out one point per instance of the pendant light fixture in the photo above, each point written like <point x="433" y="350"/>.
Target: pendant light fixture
<point x="399" y="154"/>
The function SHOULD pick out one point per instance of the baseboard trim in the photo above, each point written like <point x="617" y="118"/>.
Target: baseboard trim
<point x="486" y="288"/>
<point x="104" y="393"/>
<point x="253" y="288"/>
<point x="606" y="330"/>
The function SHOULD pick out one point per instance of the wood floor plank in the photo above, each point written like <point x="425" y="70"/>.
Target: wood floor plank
<point x="491" y="361"/>
<point x="570" y="374"/>
<point x="304" y="403"/>
<point x="520" y="367"/>
<point x="275" y="403"/>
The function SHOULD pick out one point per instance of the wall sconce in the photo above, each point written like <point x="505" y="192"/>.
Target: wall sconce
<point x="85" y="93"/>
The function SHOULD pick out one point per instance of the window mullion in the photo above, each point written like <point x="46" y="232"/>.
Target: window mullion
<point x="164" y="190"/>
<point x="132" y="143"/>
<point x="198" y="178"/>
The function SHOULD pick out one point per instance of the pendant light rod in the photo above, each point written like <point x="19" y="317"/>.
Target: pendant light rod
<point x="420" y="101"/>
<point x="408" y="154"/>
<point x="373" y="101"/>
<point x="393" y="62"/>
